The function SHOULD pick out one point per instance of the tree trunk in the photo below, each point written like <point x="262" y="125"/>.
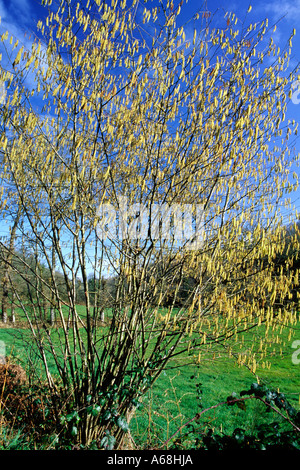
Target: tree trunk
<point x="7" y="266"/>
<point x="52" y="310"/>
<point x="52" y="316"/>
<point x="13" y="316"/>
<point x="4" y="298"/>
<point x="102" y="316"/>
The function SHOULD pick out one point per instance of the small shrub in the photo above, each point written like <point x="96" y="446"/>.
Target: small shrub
<point x="12" y="377"/>
<point x="26" y="409"/>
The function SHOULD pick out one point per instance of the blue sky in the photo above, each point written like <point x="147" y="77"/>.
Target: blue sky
<point x="20" y="17"/>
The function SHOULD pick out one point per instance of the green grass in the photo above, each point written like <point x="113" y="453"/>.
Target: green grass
<point x="173" y="399"/>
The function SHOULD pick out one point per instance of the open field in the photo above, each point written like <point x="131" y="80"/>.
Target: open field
<point x="173" y="401"/>
<point x="176" y="396"/>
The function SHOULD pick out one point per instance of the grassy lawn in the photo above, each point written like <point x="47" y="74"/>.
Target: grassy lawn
<point x="175" y="397"/>
<point x="173" y="401"/>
